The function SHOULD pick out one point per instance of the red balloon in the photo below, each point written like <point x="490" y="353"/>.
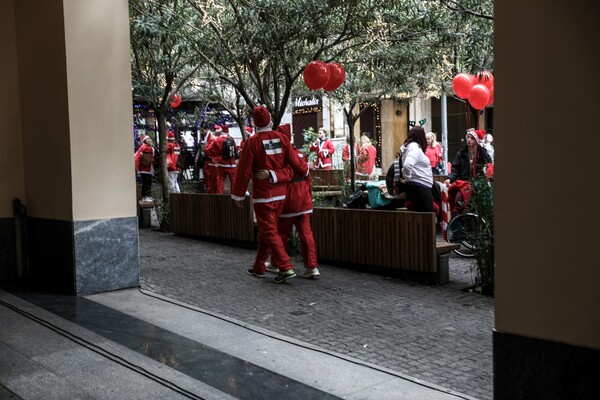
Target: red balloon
<point x="316" y="74"/>
<point x="485" y="78"/>
<point x="461" y="84"/>
<point x="175" y="100"/>
<point x="337" y="74"/>
<point x="491" y="100"/>
<point x="479" y="96"/>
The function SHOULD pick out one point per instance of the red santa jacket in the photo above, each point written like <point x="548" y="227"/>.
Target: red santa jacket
<point x="144" y="169"/>
<point x="324" y="151"/>
<point x="270" y="150"/>
<point x="298" y="199"/>
<point x="214" y="151"/>
<point x="346" y="152"/>
<point x="173" y="151"/>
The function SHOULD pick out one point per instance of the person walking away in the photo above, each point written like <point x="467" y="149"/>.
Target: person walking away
<point x="173" y="153"/>
<point x="346" y="157"/>
<point x="366" y="158"/>
<point x="324" y="149"/>
<point x="416" y="171"/>
<point x="267" y="150"/>
<point x="297" y="208"/>
<point x="211" y="175"/>
<point x="144" y="165"/>
<point x="223" y="151"/>
<point x="434" y="154"/>
<point x="469" y="162"/>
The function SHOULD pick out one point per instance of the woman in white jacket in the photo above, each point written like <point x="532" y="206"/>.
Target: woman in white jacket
<point x="416" y="170"/>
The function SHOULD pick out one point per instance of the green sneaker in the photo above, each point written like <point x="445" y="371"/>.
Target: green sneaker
<point x="284" y="276"/>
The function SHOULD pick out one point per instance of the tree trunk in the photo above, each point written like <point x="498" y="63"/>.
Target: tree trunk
<point x="164" y="218"/>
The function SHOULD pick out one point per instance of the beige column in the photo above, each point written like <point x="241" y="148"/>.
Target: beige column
<point x="77" y="179"/>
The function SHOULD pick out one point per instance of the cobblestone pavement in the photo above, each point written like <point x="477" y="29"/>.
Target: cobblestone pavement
<point x="440" y="334"/>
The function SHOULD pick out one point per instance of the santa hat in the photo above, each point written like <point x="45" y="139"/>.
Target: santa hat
<point x="477" y="135"/>
<point x="248" y="129"/>
<point x="144" y="138"/>
<point x="262" y="118"/>
<point x="170" y="135"/>
<point x="225" y="128"/>
<point x="286" y="129"/>
<point x="218" y="128"/>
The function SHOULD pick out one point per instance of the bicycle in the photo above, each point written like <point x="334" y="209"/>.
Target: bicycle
<point x="469" y="231"/>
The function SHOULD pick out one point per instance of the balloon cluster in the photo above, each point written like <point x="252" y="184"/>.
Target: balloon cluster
<point x="478" y="88"/>
<point x="328" y="76"/>
<point x="175" y="100"/>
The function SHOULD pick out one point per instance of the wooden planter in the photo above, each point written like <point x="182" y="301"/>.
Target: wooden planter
<point x="211" y="216"/>
<point x="403" y="241"/>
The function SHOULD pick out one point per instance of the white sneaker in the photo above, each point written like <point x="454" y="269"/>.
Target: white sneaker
<point x="271" y="268"/>
<point x="310" y="273"/>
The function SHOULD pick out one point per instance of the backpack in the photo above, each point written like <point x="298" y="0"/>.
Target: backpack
<point x="229" y="148"/>
<point x="146" y="159"/>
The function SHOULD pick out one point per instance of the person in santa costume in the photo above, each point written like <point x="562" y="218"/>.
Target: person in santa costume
<point x="470" y="161"/>
<point x="144" y="165"/>
<point x="347" y="157"/>
<point x="211" y="176"/>
<point x="267" y="150"/>
<point x="324" y="149"/>
<point x="173" y="152"/>
<point x="297" y="208"/>
<point x="225" y="167"/>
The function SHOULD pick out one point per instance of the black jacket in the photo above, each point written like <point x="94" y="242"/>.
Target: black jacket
<point x="460" y="165"/>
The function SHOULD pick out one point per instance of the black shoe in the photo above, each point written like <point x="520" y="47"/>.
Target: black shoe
<point x="284" y="276"/>
<point x="256" y="274"/>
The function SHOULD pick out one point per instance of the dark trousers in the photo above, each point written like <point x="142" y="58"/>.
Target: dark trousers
<point x="146" y="185"/>
<point x="420" y="197"/>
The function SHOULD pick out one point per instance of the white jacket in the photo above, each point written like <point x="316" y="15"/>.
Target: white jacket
<point x="416" y="167"/>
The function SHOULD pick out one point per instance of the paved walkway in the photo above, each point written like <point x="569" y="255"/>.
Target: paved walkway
<point x="439" y="334"/>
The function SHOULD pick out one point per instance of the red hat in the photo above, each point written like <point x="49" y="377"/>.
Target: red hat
<point x="225" y="128"/>
<point x="286" y="129"/>
<point x="217" y="128"/>
<point x="478" y="135"/>
<point x="248" y="129"/>
<point x="170" y="135"/>
<point x="262" y="117"/>
<point x="144" y="138"/>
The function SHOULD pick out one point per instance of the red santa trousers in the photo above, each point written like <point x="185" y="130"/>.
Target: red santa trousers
<point x="222" y="173"/>
<point x="267" y="215"/>
<point x="307" y="241"/>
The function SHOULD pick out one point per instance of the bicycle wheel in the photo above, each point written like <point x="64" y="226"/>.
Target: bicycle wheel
<point x="463" y="229"/>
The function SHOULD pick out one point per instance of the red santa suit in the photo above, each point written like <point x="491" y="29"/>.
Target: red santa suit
<point x="146" y="171"/>
<point x="367" y="157"/>
<point x="324" y="150"/>
<point x="267" y="150"/>
<point x="297" y="208"/>
<point x="210" y="168"/>
<point x="173" y="151"/>
<point x="224" y="167"/>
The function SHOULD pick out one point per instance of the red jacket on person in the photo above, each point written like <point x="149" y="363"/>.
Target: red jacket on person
<point x="173" y="152"/>
<point x="270" y="150"/>
<point x="324" y="151"/>
<point x="214" y="150"/>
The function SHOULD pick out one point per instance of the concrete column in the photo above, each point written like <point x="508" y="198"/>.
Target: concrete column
<point x="71" y="78"/>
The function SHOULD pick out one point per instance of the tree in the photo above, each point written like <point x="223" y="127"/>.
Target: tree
<point x="162" y="65"/>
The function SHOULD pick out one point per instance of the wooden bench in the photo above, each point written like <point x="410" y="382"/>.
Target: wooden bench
<point x="402" y="242"/>
<point x="327" y="179"/>
<point x="213" y="216"/>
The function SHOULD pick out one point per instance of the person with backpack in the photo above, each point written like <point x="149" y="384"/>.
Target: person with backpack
<point x="223" y="151"/>
<point x="144" y="165"/>
<point x="267" y="150"/>
<point x="173" y="152"/>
